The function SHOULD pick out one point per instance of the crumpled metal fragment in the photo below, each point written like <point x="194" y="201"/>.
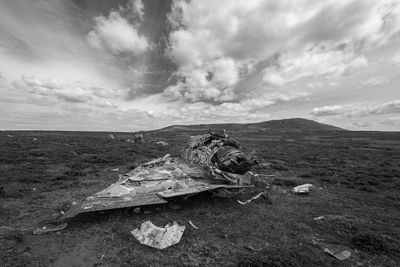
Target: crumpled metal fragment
<point x="302" y="189"/>
<point x="221" y="155"/>
<point x="158" y="237"/>
<point x="208" y="162"/>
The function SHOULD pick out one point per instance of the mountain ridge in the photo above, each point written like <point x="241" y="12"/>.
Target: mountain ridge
<point x="292" y="124"/>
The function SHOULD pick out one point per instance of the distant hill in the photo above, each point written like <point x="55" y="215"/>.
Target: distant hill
<point x="287" y="125"/>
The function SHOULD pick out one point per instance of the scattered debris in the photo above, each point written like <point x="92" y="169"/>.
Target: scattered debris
<point x="49" y="228"/>
<point x="251" y="199"/>
<point x="342" y="255"/>
<point x="112" y="137"/>
<point x="158" y="237"/>
<point x="192" y="224"/>
<point x="249" y="247"/>
<point x="319" y="218"/>
<point x="265" y="164"/>
<point x="130" y="140"/>
<point x="207" y="163"/>
<point x="162" y="143"/>
<point x="302" y="189"/>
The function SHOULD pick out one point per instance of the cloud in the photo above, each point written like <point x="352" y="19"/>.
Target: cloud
<point x="330" y="110"/>
<point x="212" y="83"/>
<point x="291" y="40"/>
<point x="244" y="110"/>
<point x="386" y="108"/>
<point x="396" y="59"/>
<point x="52" y="89"/>
<point x="137" y="7"/>
<point x="116" y="35"/>
<point x="358" y="110"/>
<point x="361" y="124"/>
<point x="375" y="82"/>
<point x="212" y="61"/>
<point x="393" y="121"/>
<point x="314" y="63"/>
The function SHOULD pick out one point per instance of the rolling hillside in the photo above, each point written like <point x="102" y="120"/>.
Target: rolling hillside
<point x="286" y="125"/>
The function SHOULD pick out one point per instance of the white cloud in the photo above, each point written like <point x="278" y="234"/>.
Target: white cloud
<point x="393" y="121"/>
<point x="396" y="59"/>
<point x="77" y="93"/>
<point x="358" y="109"/>
<point x="374" y="82"/>
<point x="214" y="81"/>
<point x="386" y="108"/>
<point x="295" y="40"/>
<point x="330" y="110"/>
<point x="314" y="63"/>
<point x="117" y="35"/>
<point x="244" y="110"/>
<point x="137" y="7"/>
<point x="232" y="60"/>
<point x="361" y="124"/>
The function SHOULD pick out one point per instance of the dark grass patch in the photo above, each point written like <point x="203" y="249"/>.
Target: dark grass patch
<point x="285" y="182"/>
<point x="373" y="243"/>
<point x="281" y="258"/>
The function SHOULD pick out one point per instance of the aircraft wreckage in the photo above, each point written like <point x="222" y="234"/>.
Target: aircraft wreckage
<point x="208" y="162"/>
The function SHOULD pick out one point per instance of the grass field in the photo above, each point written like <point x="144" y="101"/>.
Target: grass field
<point x="357" y="190"/>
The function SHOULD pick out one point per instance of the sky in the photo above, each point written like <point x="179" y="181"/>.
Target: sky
<point x="130" y="65"/>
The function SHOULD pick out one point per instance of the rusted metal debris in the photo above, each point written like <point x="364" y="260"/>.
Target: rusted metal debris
<point x="208" y="162"/>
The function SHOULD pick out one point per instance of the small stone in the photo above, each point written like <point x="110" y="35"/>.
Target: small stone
<point x="136" y="210"/>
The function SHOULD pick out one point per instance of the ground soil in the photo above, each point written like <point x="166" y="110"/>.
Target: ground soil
<point x="356" y="178"/>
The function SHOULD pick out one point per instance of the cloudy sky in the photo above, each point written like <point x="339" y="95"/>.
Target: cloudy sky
<point x="130" y="65"/>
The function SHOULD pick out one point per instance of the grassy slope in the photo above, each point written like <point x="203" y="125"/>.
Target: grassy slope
<point x="295" y="124"/>
<point x="357" y="190"/>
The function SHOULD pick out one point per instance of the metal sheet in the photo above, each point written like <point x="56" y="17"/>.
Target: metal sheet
<point x="160" y="179"/>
